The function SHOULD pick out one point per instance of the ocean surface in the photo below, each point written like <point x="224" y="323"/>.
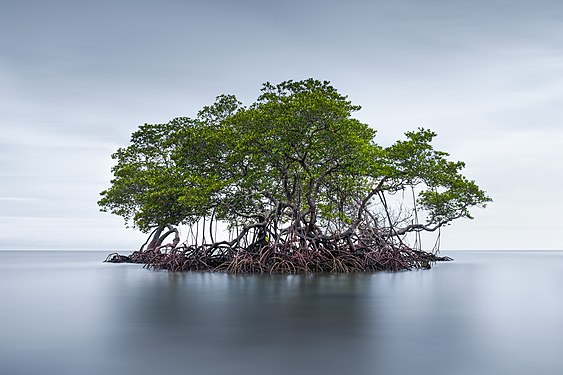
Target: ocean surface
<point x="485" y="313"/>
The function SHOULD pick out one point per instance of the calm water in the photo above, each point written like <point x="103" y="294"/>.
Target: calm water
<point x="486" y="313"/>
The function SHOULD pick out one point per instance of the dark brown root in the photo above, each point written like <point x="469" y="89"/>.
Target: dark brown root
<point x="116" y="258"/>
<point x="285" y="258"/>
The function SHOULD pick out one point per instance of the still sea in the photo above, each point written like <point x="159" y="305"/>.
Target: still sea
<point x="67" y="313"/>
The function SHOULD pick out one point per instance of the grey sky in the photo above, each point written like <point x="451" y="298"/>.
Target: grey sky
<point x="76" y="78"/>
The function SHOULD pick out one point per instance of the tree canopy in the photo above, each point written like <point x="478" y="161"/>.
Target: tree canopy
<point x="297" y="179"/>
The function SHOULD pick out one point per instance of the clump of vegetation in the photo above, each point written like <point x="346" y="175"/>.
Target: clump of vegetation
<point x="298" y="184"/>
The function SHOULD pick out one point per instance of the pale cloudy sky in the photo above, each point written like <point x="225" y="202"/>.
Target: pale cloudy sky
<point x="77" y="77"/>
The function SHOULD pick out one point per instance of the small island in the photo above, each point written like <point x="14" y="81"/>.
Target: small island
<point x="290" y="184"/>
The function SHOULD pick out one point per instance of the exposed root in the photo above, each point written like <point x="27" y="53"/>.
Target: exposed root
<point x="288" y="257"/>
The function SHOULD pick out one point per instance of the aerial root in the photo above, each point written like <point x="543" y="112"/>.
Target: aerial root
<point x="284" y="257"/>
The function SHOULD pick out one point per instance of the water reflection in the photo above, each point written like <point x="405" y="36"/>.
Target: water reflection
<point x="248" y="324"/>
<point x="486" y="313"/>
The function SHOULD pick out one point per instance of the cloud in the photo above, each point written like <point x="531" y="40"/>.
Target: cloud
<point x="77" y="79"/>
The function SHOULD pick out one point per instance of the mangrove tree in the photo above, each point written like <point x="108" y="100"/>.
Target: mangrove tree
<point x="291" y="183"/>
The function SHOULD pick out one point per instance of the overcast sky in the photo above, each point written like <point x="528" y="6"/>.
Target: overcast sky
<point x="77" y="77"/>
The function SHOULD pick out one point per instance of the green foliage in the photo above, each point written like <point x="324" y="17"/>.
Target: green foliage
<point x="296" y="153"/>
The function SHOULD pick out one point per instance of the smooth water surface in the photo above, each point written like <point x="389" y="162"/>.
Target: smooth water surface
<point x="485" y="313"/>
